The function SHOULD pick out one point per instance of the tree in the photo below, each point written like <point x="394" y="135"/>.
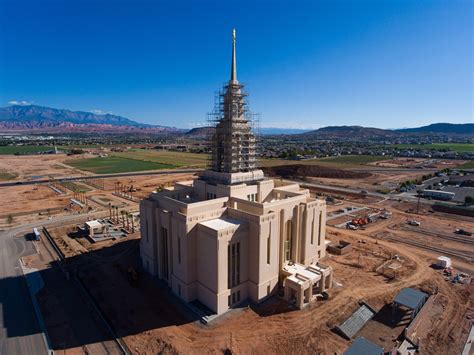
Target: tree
<point x="10" y="219"/>
<point x="469" y="200"/>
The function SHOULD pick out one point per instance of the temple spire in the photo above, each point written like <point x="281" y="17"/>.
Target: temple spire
<point x="233" y="73"/>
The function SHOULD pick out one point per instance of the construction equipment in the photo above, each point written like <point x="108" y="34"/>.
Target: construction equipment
<point x="462" y="232"/>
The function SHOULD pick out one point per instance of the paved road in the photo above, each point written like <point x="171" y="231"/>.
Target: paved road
<point x="20" y="332"/>
<point x="394" y="170"/>
<point x="80" y="177"/>
<point x="19" y="329"/>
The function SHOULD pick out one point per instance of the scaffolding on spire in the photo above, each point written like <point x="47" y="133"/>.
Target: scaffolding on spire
<point x="234" y="137"/>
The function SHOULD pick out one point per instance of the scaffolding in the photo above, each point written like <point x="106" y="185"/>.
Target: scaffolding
<point x="235" y="130"/>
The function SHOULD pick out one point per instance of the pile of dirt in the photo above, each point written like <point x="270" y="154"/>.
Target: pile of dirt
<point x="301" y="171"/>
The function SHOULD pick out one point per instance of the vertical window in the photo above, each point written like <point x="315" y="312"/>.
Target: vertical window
<point x="320" y="224"/>
<point x="268" y="289"/>
<point x="312" y="227"/>
<point x="164" y="252"/>
<point x="237" y="256"/>
<point x="288" y="241"/>
<point x="233" y="265"/>
<point x="269" y="244"/>
<point x="228" y="301"/>
<point x="229" y="267"/>
<point x="146" y="229"/>
<point x="179" y="250"/>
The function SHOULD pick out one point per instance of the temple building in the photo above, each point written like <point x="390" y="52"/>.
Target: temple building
<point x="233" y="236"/>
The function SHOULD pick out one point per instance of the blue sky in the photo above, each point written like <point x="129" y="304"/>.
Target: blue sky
<point x="306" y="64"/>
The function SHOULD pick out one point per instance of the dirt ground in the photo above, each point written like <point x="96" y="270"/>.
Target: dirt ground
<point x="27" y="203"/>
<point x="33" y="167"/>
<point x="374" y="182"/>
<point x="152" y="321"/>
<point x="413" y="163"/>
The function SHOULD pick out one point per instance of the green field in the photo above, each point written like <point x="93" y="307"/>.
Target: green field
<point x="177" y="159"/>
<point x="457" y="147"/>
<point x="24" y="149"/>
<point x="115" y="164"/>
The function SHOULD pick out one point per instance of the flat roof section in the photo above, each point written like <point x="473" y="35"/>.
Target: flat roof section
<point x="356" y="321"/>
<point x="362" y="346"/>
<point x="410" y="298"/>
<point x="221" y="223"/>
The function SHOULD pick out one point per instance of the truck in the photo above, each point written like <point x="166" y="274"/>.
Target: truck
<point x="462" y="232"/>
<point x="414" y="222"/>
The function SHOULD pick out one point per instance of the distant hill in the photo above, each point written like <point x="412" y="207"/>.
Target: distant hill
<point x="47" y="119"/>
<point x="199" y="132"/>
<point x="350" y="131"/>
<point x="203" y="132"/>
<point x="276" y="131"/>
<point x="443" y="128"/>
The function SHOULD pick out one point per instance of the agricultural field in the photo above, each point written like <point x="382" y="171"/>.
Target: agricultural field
<point x="24" y="149"/>
<point x="115" y="164"/>
<point x="456" y="147"/>
<point x="177" y="159"/>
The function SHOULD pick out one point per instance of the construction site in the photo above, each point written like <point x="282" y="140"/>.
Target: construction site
<point x="377" y="245"/>
<point x="305" y="260"/>
<point x="146" y="318"/>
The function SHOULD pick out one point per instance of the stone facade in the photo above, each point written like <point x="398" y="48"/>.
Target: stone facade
<point x="232" y="235"/>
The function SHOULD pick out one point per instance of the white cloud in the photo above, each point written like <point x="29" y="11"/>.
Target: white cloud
<point x="196" y="124"/>
<point x="21" y="102"/>
<point x="100" y="112"/>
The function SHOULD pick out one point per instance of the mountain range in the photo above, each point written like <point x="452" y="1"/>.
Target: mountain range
<point x="33" y="118"/>
<point x="47" y="119"/>
<point x="359" y="132"/>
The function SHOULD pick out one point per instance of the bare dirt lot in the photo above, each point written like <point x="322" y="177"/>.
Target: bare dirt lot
<point x="33" y="167"/>
<point x="414" y="163"/>
<point x="28" y="203"/>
